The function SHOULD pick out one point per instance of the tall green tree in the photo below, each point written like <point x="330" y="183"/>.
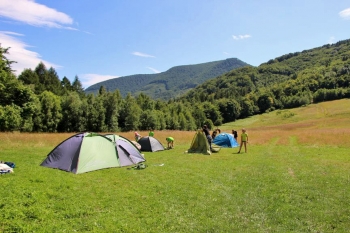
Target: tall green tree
<point x="5" y="64"/>
<point x="72" y="110"/>
<point x="199" y="115"/>
<point x="161" y="120"/>
<point x="247" y="108"/>
<point x="149" y="120"/>
<point x="15" y="97"/>
<point x="190" y="121"/>
<point x="95" y="114"/>
<point x="265" y="102"/>
<point x="41" y="72"/>
<point x="230" y="109"/>
<point x="130" y="114"/>
<point x="145" y="102"/>
<point x="10" y="118"/>
<point x="30" y="78"/>
<point x="66" y="84"/>
<point x="112" y="103"/>
<point x="77" y="86"/>
<point x="182" y="122"/>
<point x="54" y="82"/>
<point x="173" y="121"/>
<point x="212" y="112"/>
<point x="50" y="112"/>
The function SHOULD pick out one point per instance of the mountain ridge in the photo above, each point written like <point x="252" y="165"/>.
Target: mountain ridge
<point x="171" y="83"/>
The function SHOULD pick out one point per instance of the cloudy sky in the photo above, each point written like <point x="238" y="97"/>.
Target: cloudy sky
<point x="99" y="40"/>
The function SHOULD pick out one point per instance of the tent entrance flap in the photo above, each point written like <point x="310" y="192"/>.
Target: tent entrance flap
<point x="97" y="153"/>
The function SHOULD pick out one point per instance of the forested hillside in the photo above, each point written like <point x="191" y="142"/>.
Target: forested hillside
<point x="39" y="101"/>
<point x="171" y="83"/>
<point x="291" y="80"/>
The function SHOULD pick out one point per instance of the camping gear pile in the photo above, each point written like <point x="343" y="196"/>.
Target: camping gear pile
<point x="6" y="167"/>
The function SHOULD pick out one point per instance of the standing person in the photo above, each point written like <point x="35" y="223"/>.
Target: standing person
<point x="151" y="133"/>
<point x="235" y="135"/>
<point x="170" y="141"/>
<point x="207" y="134"/>
<point x="244" y="140"/>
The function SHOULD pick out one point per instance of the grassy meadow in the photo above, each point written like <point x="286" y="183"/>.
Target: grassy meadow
<point x="294" y="178"/>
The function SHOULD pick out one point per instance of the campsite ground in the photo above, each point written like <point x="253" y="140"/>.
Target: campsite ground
<point x="295" y="178"/>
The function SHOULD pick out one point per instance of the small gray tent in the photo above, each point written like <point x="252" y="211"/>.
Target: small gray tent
<point x="150" y="144"/>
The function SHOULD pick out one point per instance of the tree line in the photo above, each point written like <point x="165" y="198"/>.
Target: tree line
<point x="38" y="101"/>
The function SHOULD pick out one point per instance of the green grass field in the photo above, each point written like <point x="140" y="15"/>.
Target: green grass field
<point x="294" y="178"/>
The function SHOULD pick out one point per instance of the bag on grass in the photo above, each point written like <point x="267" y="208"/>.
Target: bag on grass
<point x="139" y="166"/>
<point x="10" y="164"/>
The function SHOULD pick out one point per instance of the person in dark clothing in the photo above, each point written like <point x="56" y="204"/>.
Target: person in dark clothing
<point x="235" y="135"/>
<point x="213" y="135"/>
<point x="207" y="134"/>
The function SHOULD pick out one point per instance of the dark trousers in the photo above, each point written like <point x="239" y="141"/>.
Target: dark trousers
<point x="209" y="138"/>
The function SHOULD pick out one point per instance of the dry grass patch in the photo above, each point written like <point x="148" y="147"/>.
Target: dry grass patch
<point x="332" y="137"/>
<point x="325" y="123"/>
<point x="16" y="140"/>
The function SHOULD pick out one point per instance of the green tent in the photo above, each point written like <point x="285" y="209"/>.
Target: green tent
<point x="199" y="144"/>
<point x="85" y="152"/>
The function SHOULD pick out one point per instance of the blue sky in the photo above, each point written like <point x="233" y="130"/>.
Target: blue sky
<point x="99" y="40"/>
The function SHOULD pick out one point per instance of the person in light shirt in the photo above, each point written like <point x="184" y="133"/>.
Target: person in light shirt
<point x="244" y="140"/>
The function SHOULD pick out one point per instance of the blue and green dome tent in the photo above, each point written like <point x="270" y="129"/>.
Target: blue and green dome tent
<point x="86" y="152"/>
<point x="225" y="140"/>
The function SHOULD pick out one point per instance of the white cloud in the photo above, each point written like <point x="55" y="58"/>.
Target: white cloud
<point x="331" y="40"/>
<point x="141" y="54"/>
<point x="90" y="79"/>
<point x="241" y="37"/>
<point x="226" y="53"/>
<point x="18" y="52"/>
<point x="345" y="13"/>
<point x="32" y="13"/>
<point x="154" y="70"/>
